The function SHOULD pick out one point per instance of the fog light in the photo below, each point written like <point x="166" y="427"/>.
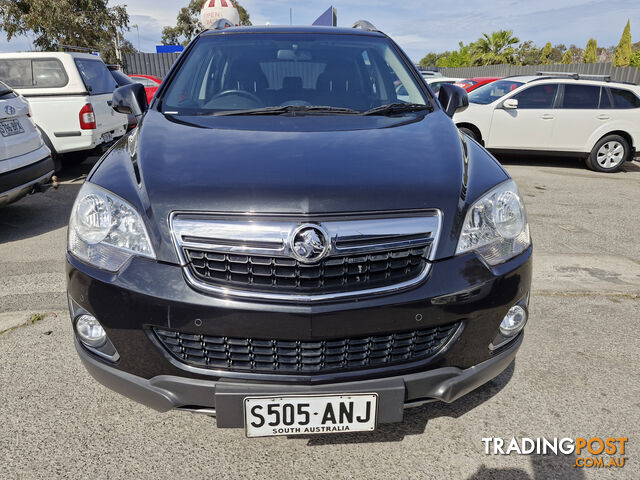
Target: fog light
<point x="514" y="321"/>
<point x="90" y="331"/>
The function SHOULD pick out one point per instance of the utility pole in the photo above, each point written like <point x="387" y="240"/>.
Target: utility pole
<point x="290" y="16"/>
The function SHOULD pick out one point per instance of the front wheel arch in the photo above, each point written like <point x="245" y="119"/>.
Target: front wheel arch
<point x="477" y="136"/>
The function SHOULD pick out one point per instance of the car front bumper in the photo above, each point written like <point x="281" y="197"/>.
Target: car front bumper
<point x="149" y="294"/>
<point x="224" y="399"/>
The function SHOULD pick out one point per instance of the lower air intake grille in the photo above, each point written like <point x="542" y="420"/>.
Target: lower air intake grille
<point x="279" y="356"/>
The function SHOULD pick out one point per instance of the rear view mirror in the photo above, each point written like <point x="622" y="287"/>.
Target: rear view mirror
<point x="510" y="104"/>
<point x="453" y="99"/>
<point x="294" y="55"/>
<point x="130" y="99"/>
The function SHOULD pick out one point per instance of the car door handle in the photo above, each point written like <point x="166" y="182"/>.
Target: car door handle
<point x="603" y="117"/>
<point x="547" y="116"/>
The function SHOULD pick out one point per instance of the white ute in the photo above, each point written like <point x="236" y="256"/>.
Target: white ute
<point x="70" y="98"/>
<point x="25" y="162"/>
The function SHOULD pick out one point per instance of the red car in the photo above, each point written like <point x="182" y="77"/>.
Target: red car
<point x="150" y="83"/>
<point x="472" y="83"/>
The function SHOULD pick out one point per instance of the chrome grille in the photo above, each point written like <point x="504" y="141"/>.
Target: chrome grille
<point x="297" y="356"/>
<point x="260" y="257"/>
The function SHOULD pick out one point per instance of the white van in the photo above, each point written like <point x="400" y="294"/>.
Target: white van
<point x="70" y="99"/>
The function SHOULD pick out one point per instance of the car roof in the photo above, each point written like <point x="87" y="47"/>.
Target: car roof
<point x="294" y="29"/>
<point x="442" y="79"/>
<point x="566" y="79"/>
<point x="50" y="54"/>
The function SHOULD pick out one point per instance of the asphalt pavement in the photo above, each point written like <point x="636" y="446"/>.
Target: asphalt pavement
<point x="576" y="374"/>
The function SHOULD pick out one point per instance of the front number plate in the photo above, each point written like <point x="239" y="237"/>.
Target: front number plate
<point x="310" y="414"/>
<point x="10" y="127"/>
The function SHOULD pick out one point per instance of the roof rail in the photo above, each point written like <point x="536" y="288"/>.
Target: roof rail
<point x="364" y="25"/>
<point x="72" y="48"/>
<point x="221" y="24"/>
<point x="577" y="76"/>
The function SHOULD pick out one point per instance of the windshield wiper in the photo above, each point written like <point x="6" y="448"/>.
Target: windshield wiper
<point x="397" y="108"/>
<point x="288" y="109"/>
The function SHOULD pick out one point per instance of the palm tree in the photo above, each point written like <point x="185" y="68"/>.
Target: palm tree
<point x="496" y="48"/>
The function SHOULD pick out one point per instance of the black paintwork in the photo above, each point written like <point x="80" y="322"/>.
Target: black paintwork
<point x="306" y="166"/>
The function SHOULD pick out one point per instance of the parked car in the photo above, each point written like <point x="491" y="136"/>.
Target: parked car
<point x="151" y="84"/>
<point x="470" y="84"/>
<point x="282" y="244"/>
<point x="560" y="115"/>
<point x="122" y="80"/>
<point x="430" y="73"/>
<point x="69" y="94"/>
<point x="436" y="82"/>
<point x="25" y="161"/>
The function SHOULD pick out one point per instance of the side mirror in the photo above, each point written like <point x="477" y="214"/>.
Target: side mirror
<point x="453" y="99"/>
<point x="130" y="99"/>
<point x="510" y="104"/>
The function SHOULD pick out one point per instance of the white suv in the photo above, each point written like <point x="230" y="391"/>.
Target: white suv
<point x="596" y="119"/>
<point x="25" y="162"/>
<point x="70" y="99"/>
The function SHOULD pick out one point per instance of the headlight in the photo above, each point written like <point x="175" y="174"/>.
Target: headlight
<point x="496" y="226"/>
<point x="105" y="231"/>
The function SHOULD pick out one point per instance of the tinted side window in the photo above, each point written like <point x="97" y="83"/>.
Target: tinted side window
<point x="581" y="97"/>
<point x="605" y="98"/>
<point x="96" y="76"/>
<point x="36" y="73"/>
<point x="539" y="96"/>
<point x="624" y="98"/>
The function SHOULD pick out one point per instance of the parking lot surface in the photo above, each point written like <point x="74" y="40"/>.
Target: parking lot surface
<point x="575" y="376"/>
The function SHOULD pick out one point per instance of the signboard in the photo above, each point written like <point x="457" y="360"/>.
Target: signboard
<point x="169" y="48"/>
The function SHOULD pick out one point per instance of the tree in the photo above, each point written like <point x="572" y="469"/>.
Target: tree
<point x="494" y="49"/>
<point x="557" y="53"/>
<point x="458" y="58"/>
<point x="528" y="54"/>
<point x="108" y="49"/>
<point x="80" y="23"/>
<point x="567" y="58"/>
<point x="622" y="55"/>
<point x="591" y="51"/>
<point x="545" y="55"/>
<point x="429" y="60"/>
<point x="188" y="23"/>
<point x="635" y="59"/>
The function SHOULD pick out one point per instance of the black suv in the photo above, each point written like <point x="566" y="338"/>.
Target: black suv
<point x="288" y="243"/>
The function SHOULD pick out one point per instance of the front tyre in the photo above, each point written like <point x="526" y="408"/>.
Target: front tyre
<point x="609" y="154"/>
<point x="469" y="133"/>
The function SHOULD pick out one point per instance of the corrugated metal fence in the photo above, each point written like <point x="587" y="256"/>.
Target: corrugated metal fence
<point x="620" y="74"/>
<point x="157" y="64"/>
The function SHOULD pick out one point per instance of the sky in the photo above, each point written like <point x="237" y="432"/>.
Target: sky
<point x="418" y="26"/>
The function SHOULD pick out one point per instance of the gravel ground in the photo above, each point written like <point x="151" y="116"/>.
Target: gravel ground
<point x="576" y="374"/>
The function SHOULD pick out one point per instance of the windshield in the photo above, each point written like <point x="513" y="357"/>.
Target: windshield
<point x="237" y="72"/>
<point x="4" y="89"/>
<point x="491" y="92"/>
